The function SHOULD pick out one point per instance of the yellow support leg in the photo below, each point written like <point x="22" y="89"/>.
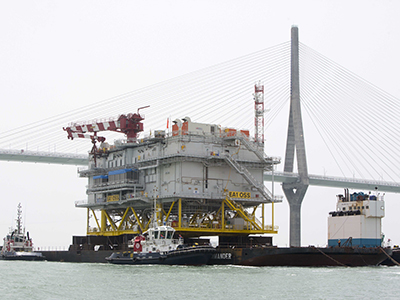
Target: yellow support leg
<point x="242" y="213"/>
<point x="273" y="218"/>
<point x="97" y="221"/>
<point x="138" y="221"/>
<point x="254" y="211"/>
<point x="110" y="221"/>
<point x="103" y="227"/>
<point x="147" y="225"/>
<point x="169" y="212"/>
<point x="223" y="215"/>
<point x="123" y="218"/>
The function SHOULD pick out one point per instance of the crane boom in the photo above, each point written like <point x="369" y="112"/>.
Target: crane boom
<point x="129" y="124"/>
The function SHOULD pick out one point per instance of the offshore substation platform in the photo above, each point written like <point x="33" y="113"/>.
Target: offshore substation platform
<point x="202" y="179"/>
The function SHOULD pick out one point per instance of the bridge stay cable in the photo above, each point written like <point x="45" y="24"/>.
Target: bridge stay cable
<point x="379" y="154"/>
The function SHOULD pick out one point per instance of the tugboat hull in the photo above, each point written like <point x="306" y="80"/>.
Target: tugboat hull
<point x="192" y="256"/>
<point x="29" y="256"/>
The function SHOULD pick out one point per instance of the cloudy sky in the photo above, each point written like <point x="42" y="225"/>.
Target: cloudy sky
<point x="60" y="55"/>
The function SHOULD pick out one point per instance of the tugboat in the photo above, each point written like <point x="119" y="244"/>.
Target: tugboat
<point x="160" y="245"/>
<point x="17" y="245"/>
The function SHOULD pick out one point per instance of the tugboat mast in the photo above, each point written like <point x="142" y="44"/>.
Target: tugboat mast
<point x="19" y="220"/>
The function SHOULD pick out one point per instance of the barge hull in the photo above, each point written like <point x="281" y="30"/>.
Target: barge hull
<point x="82" y="256"/>
<point x="301" y="256"/>
<point x="265" y="256"/>
<point x="313" y="257"/>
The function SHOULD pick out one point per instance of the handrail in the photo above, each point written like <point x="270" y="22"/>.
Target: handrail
<point x="250" y="178"/>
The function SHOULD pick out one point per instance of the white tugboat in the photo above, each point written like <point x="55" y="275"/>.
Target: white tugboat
<point x="160" y="245"/>
<point x="17" y="245"/>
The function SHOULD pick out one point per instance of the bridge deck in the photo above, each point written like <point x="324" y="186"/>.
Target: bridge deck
<point x="337" y="182"/>
<point x="44" y="157"/>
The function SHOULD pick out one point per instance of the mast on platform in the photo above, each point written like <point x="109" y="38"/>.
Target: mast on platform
<point x="259" y="115"/>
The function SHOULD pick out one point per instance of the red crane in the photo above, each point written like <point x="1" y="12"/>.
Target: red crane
<point x="129" y="124"/>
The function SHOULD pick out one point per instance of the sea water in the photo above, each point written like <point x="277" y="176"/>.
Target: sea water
<point x="57" y="280"/>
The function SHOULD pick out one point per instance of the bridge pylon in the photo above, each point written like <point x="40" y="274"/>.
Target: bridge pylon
<point x="295" y="191"/>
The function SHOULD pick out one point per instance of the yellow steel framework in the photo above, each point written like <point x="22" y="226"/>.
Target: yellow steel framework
<point x="129" y="221"/>
<point x="109" y="226"/>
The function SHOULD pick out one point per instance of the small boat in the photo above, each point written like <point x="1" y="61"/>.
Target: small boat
<point x="17" y="245"/>
<point x="394" y="259"/>
<point x="161" y="245"/>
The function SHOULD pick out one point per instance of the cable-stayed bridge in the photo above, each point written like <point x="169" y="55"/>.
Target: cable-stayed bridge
<point x="348" y="121"/>
<point x="44" y="157"/>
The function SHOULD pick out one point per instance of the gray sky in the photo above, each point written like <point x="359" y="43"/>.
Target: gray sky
<point x="61" y="55"/>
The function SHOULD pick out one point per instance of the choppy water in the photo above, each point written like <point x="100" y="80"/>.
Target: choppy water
<point x="55" y="280"/>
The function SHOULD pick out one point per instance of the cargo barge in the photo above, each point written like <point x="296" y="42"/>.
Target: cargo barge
<point x="354" y="239"/>
<point x="257" y="252"/>
<point x="205" y="180"/>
